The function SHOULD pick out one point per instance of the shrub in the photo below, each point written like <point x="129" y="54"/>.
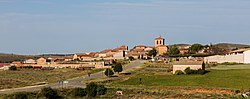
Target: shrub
<point x="179" y="72"/>
<point x="91" y="89"/>
<point x="101" y="90"/>
<point x="13" y="68"/>
<point x="131" y="58"/>
<point x="78" y="92"/>
<point x="200" y="71"/>
<point x="28" y="67"/>
<point x="49" y="93"/>
<point x="109" y="72"/>
<point x="189" y="71"/>
<point x="20" y="95"/>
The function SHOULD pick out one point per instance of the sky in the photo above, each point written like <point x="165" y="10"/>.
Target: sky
<point x="76" y="26"/>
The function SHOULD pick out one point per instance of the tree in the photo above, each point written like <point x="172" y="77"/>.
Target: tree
<point x="12" y="68"/>
<point x="118" y="67"/>
<point x="49" y="93"/>
<point x="91" y="89"/>
<point x="153" y="52"/>
<point x="109" y="72"/>
<point x="173" y="51"/>
<point x="195" y="48"/>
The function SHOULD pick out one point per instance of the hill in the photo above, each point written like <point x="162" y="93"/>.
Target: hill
<point x="225" y="46"/>
<point x="230" y="46"/>
<point x="8" y="58"/>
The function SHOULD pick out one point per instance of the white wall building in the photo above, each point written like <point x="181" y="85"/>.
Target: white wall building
<point x="120" y="55"/>
<point x="237" y="56"/>
<point x="192" y="64"/>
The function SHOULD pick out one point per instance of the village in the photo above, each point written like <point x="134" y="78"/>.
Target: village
<point x="141" y="62"/>
<point x="160" y="52"/>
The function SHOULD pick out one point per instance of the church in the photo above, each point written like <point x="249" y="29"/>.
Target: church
<point x="160" y="45"/>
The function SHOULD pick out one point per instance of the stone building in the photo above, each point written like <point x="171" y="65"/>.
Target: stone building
<point x="41" y="61"/>
<point x="160" y="45"/>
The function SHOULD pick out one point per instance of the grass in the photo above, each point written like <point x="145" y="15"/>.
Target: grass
<point x="236" y="79"/>
<point x="29" y="77"/>
<point x="218" y="77"/>
<point x="230" y="67"/>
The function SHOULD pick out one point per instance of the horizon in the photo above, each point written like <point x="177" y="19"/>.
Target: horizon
<point x="108" y="48"/>
<point x="33" y="27"/>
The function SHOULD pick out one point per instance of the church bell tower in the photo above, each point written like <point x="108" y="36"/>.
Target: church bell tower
<point x="159" y="41"/>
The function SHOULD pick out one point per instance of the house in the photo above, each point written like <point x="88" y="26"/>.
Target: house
<point x="237" y="56"/>
<point x="160" y="45"/>
<point x="137" y="55"/>
<point x="183" y="51"/>
<point x="81" y="56"/>
<point x="17" y="63"/>
<point x="121" y="48"/>
<point x="192" y="64"/>
<point x="41" y="61"/>
<point x="120" y="55"/>
<point x="30" y="61"/>
<point x="139" y="47"/>
<point x="4" y="66"/>
<point x="68" y="58"/>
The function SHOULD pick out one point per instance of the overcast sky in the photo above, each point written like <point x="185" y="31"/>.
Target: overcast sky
<point x="73" y="26"/>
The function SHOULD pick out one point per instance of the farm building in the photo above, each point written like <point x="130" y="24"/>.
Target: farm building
<point x="237" y="56"/>
<point x="192" y="64"/>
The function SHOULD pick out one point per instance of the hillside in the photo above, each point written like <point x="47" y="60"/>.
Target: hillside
<point x="226" y="46"/>
<point x="7" y="58"/>
<point x="230" y="46"/>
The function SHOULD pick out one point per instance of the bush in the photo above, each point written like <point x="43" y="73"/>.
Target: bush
<point x="78" y="92"/>
<point x="28" y="67"/>
<point x="179" y="72"/>
<point x="101" y="90"/>
<point x="49" y="93"/>
<point x="189" y="71"/>
<point x="91" y="89"/>
<point x="20" y="95"/>
<point x="13" y="68"/>
<point x="200" y="71"/>
<point x="109" y="72"/>
<point x="131" y="58"/>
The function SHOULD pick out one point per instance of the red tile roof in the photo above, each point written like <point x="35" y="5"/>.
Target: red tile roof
<point x="2" y="65"/>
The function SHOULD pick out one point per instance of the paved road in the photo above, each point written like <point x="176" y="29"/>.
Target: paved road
<point x="76" y="82"/>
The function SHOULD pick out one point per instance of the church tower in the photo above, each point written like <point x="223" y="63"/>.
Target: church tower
<point x="160" y="45"/>
<point x="159" y="41"/>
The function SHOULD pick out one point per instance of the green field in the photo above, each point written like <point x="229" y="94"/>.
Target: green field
<point x="221" y="77"/>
